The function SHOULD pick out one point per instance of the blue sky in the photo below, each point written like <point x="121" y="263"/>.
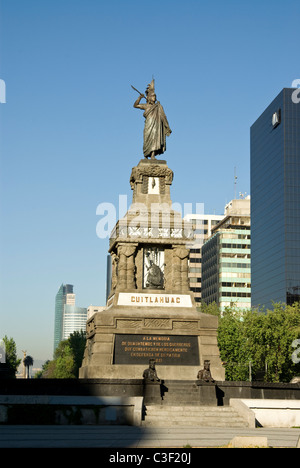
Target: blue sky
<point x="70" y="135"/>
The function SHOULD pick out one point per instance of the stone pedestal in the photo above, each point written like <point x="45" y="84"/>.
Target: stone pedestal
<point x="150" y="312"/>
<point x="122" y="339"/>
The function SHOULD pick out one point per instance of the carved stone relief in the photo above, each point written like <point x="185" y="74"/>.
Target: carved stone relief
<point x="180" y="269"/>
<point x="126" y="267"/>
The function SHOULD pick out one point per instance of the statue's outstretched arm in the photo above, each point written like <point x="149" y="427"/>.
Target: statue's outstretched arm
<point x="137" y="104"/>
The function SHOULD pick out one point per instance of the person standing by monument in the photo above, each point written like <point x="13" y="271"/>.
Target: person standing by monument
<point x="156" y="127"/>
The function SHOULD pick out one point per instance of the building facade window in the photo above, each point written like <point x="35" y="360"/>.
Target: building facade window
<point x="275" y="201"/>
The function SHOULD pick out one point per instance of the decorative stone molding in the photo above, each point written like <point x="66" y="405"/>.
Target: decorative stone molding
<point x="156" y="323"/>
<point x="150" y="170"/>
<point x="129" y="323"/>
<point x="184" y="325"/>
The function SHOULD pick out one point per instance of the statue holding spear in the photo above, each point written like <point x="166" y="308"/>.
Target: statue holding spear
<point x="156" y="127"/>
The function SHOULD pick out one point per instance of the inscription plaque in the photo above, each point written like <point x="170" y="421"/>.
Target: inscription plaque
<point x="165" y="349"/>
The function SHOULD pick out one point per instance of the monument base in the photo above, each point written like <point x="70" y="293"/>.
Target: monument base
<point x="135" y="372"/>
<point x="122" y="339"/>
<point x="151" y="313"/>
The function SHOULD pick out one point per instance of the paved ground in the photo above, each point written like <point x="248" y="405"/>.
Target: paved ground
<point x="136" y="437"/>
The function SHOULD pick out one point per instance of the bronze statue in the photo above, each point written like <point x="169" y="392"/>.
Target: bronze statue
<point x="150" y="374"/>
<point x="205" y="374"/>
<point x="156" y="127"/>
<point x="155" y="278"/>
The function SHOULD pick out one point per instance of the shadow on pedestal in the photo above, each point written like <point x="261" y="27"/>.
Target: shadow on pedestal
<point x="180" y="393"/>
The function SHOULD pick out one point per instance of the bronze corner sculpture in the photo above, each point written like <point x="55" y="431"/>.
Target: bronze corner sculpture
<point x="205" y="374"/>
<point x="150" y="375"/>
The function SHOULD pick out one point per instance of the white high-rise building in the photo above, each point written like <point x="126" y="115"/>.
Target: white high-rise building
<point x="74" y="320"/>
<point x="202" y="225"/>
<point x="226" y="259"/>
<point x="68" y="317"/>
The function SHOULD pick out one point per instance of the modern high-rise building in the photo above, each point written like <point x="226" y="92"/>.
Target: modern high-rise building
<point x="68" y="317"/>
<point x="275" y="202"/>
<point x="226" y="259"/>
<point x="60" y="301"/>
<point x="74" y="320"/>
<point x="202" y="225"/>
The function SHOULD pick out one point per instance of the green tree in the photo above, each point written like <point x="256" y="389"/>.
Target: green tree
<point x="47" y="371"/>
<point x="67" y="358"/>
<point x="64" y="364"/>
<point x="262" y="338"/>
<point x="77" y="342"/>
<point x="211" y="309"/>
<point x="282" y="328"/>
<point x="39" y="374"/>
<point x="232" y="345"/>
<point x="11" y="360"/>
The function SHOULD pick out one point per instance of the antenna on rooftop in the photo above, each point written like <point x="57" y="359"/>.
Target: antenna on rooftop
<point x="235" y="178"/>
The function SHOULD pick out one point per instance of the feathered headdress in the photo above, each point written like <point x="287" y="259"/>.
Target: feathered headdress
<point x="150" y="88"/>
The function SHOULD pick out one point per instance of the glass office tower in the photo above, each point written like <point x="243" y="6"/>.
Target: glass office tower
<point x="74" y="320"/>
<point x="275" y="202"/>
<point x="60" y="300"/>
<point x="68" y="317"/>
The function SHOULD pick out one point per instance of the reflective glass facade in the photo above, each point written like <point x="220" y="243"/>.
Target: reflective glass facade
<point x="59" y="310"/>
<point x="68" y="317"/>
<point x="275" y="202"/>
<point x="74" y="320"/>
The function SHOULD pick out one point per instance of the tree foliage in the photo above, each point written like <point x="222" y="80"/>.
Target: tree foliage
<point x="233" y="347"/>
<point x="211" y="308"/>
<point x="67" y="358"/>
<point x="77" y="342"/>
<point x="260" y="340"/>
<point x="11" y="360"/>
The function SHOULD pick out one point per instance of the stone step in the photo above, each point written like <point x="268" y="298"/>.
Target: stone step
<point x="181" y="391"/>
<point x="186" y="408"/>
<point x="177" y="392"/>
<point x="180" y="397"/>
<point x="191" y="412"/>
<point x="224" y="416"/>
<point x="209" y="422"/>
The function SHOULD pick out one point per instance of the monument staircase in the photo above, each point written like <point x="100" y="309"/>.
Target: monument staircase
<point x="180" y="405"/>
<point x="202" y="416"/>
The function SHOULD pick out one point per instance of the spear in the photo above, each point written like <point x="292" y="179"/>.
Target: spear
<point x="137" y="91"/>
